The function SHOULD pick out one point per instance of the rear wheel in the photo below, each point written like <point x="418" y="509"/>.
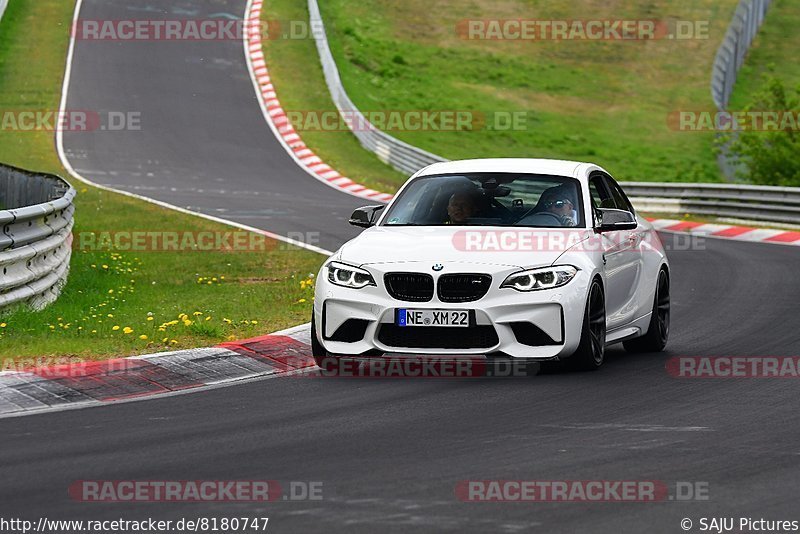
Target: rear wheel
<point x="655" y="340"/>
<point x="591" y="350"/>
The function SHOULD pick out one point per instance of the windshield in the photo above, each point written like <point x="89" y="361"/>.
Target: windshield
<point x="489" y="199"/>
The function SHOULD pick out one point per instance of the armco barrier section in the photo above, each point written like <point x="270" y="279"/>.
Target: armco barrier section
<point x="742" y="30"/>
<point x="36" y="219"/>
<point x="745" y="202"/>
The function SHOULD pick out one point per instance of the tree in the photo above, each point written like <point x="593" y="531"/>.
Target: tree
<point x="767" y="154"/>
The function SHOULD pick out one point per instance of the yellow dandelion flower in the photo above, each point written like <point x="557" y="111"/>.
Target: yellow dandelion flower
<point x="149" y="318"/>
<point x="143" y="337"/>
<point x="115" y="327"/>
<point x="127" y="330"/>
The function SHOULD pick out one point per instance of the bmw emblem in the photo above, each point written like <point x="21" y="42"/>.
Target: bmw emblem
<point x="437" y="267"/>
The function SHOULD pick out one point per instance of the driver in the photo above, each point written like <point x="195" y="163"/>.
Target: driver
<point x="556" y="202"/>
<point x="562" y="207"/>
<point x="462" y="206"/>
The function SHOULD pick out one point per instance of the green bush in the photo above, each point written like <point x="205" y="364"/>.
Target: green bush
<point x="769" y="156"/>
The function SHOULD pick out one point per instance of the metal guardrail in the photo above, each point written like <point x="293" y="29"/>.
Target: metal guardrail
<point x="744" y="26"/>
<point x="36" y="219"/>
<point x="392" y="151"/>
<point x="730" y="56"/>
<point x="744" y="202"/>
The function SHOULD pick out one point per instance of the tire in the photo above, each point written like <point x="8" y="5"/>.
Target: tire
<point x="591" y="350"/>
<point x="655" y="340"/>
<point x="323" y="359"/>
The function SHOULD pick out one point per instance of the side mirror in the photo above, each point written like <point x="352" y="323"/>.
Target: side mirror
<point x="365" y="216"/>
<point x="609" y="220"/>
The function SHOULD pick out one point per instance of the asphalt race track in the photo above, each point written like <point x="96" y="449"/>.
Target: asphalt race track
<point x="203" y="144"/>
<point x="390" y="452"/>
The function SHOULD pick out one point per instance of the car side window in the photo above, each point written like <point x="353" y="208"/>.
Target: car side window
<point x="595" y="187"/>
<point x="601" y="197"/>
<point x="620" y="199"/>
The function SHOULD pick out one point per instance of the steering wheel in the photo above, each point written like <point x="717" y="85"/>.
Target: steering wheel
<point x="550" y="219"/>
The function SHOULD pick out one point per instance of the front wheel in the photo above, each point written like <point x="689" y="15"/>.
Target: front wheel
<point x="655" y="340"/>
<point x="592" y="347"/>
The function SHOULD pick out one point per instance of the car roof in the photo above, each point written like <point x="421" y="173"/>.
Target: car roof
<point x="554" y="167"/>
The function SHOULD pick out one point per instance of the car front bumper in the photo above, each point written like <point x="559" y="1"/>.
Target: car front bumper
<point x="558" y="313"/>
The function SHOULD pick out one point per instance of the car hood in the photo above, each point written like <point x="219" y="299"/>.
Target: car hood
<point x="516" y="247"/>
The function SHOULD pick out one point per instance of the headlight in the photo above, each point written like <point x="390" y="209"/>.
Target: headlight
<point x="544" y="278"/>
<point x="348" y="276"/>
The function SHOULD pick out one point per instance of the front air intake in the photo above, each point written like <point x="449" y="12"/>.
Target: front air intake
<point x="463" y="287"/>
<point x="410" y="287"/>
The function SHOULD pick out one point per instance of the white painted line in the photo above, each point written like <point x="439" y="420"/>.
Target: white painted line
<point x="663" y="223"/>
<point x="758" y="235"/>
<point x="709" y="228"/>
<point x="198" y="389"/>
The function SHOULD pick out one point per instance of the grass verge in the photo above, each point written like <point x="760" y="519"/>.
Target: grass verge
<point x="303" y="89"/>
<point x="773" y="53"/>
<point x="116" y="302"/>
<point x="606" y="102"/>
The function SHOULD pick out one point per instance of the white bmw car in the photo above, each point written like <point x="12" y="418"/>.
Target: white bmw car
<point x="523" y="259"/>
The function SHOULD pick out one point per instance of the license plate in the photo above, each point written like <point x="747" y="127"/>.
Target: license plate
<point x="407" y="317"/>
